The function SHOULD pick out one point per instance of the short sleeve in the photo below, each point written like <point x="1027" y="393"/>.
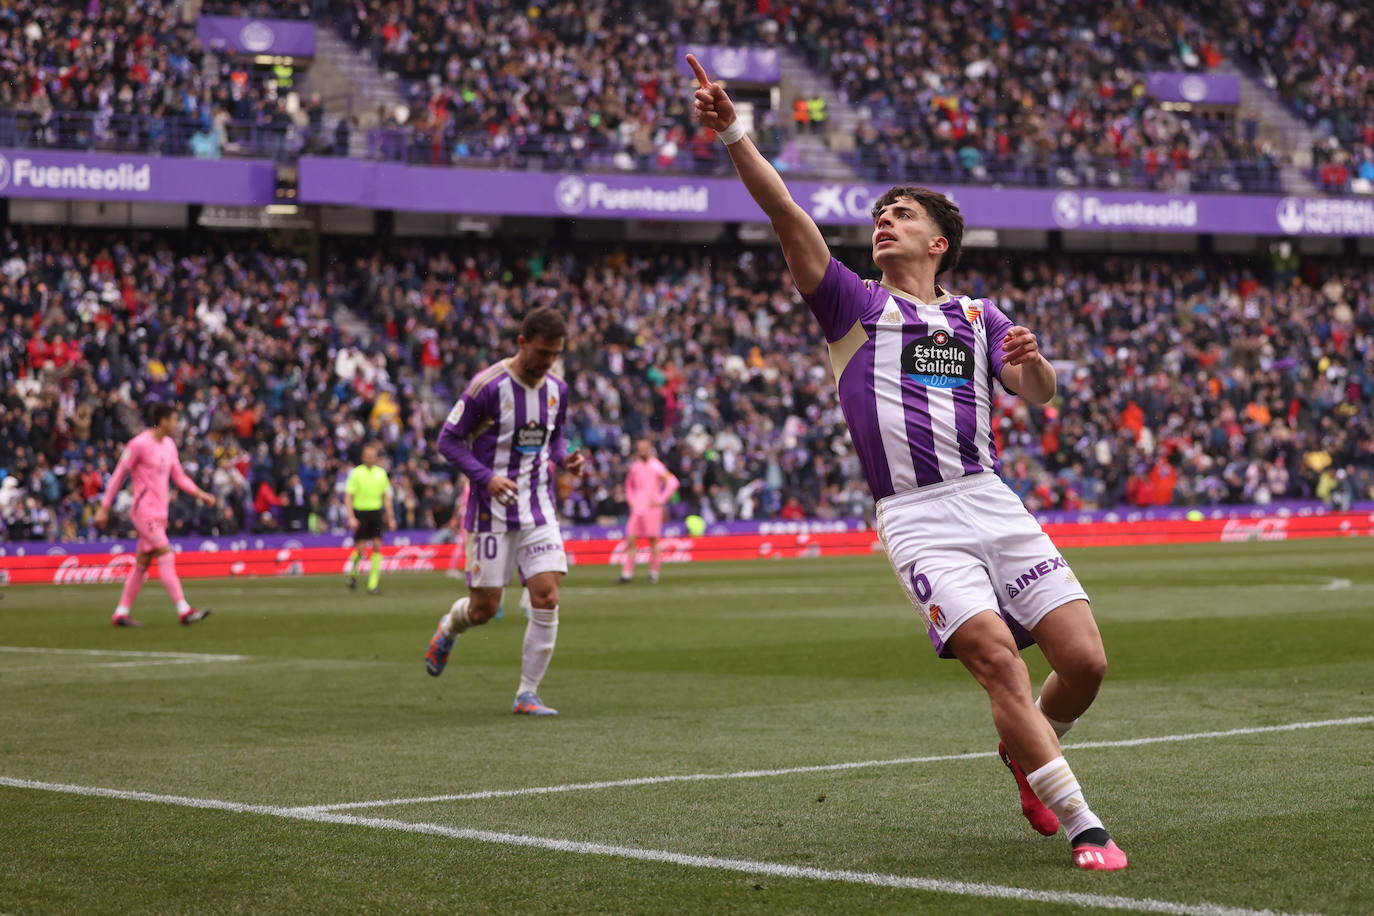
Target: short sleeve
<point x="997" y="325"/>
<point x="467" y="413"/>
<point x="839" y="301"/>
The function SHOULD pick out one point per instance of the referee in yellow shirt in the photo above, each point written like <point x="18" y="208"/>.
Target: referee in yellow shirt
<point x="367" y="496"/>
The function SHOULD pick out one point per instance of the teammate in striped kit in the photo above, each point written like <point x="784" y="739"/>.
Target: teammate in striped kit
<point x="506" y="434"/>
<point x="914" y="366"/>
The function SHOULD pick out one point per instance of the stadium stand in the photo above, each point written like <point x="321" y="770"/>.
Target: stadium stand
<point x="1029" y="93"/>
<point x="1313" y="55"/>
<point x="1036" y="94"/>
<point x="131" y="77"/>
<point x="1189" y="381"/>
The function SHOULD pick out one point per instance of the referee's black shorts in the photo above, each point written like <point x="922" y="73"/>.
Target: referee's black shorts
<point x="369" y="524"/>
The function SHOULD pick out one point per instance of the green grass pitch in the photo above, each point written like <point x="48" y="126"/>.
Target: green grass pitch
<point x="721" y="668"/>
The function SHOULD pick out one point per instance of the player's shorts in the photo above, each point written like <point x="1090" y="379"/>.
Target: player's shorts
<point x="493" y="555"/>
<point x="969" y="545"/>
<point x="152" y="532"/>
<point x="369" y="524"/>
<point x="646" y="524"/>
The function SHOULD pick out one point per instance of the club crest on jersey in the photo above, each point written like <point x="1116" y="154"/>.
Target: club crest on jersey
<point x="939" y="360"/>
<point x="530" y="438"/>
<point x="973" y="311"/>
<point x="553" y="402"/>
<point x="937" y="616"/>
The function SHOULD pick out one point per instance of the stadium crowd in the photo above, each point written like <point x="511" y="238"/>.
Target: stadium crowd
<point x="129" y="76"/>
<point x="1181" y="383"/>
<point x="1315" y="56"/>
<point x="1031" y="92"/>
<point x="1028" y="92"/>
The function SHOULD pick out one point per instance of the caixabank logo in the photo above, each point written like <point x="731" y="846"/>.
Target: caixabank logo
<point x="25" y="174"/>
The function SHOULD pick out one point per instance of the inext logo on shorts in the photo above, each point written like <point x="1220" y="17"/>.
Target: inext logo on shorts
<point x="1038" y="571"/>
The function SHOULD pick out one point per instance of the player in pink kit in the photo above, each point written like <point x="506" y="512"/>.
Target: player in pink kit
<point x="648" y="487"/>
<point x="460" y="554"/>
<point x="149" y="459"/>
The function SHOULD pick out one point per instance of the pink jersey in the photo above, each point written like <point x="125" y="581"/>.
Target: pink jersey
<point x="149" y="462"/>
<point x="648" y="482"/>
<point x="461" y="512"/>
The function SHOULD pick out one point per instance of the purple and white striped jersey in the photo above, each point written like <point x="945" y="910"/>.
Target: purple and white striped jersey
<point x="915" y="379"/>
<point x="499" y="426"/>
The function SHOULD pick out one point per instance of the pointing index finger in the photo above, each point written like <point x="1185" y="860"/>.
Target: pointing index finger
<point x="702" y="79"/>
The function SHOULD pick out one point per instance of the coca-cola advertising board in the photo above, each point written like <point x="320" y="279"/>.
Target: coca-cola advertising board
<point x="107" y="568"/>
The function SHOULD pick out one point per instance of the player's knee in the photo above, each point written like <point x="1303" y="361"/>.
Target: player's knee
<point x="1088" y="667"/>
<point x="544" y="597"/>
<point x="482" y="607"/>
<point x="997" y="667"/>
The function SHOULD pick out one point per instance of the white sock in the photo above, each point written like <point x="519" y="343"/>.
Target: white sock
<point x="1060" y="728"/>
<point x="540" y="634"/>
<point x="456" y="620"/>
<point x="1056" y="786"/>
<point x="183" y="606"/>
<point x="121" y="610"/>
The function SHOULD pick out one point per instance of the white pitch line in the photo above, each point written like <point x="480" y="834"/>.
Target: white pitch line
<point x="152" y="663"/>
<point x="129" y="653"/>
<point x="744" y="866"/>
<point x="821" y="768"/>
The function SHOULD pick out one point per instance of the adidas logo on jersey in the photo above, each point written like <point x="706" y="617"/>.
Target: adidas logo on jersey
<point x="891" y="315"/>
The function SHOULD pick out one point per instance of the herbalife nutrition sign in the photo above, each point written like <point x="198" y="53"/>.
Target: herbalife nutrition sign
<point x="100" y="176"/>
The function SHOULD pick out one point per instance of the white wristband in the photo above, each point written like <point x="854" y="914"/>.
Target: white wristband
<point x="732" y="134"/>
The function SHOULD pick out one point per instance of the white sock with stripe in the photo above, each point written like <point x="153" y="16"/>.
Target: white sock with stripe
<point x="540" y="634"/>
<point x="456" y="620"/>
<point x="1056" y="786"/>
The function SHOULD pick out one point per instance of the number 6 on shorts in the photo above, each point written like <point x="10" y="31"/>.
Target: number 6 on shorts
<point x="920" y="586"/>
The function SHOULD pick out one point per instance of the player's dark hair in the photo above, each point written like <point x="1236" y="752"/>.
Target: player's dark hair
<point x="544" y="322"/>
<point x="159" y="412"/>
<point x="942" y="212"/>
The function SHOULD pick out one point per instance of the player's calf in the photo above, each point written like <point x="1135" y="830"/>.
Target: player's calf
<point x="1041" y="818"/>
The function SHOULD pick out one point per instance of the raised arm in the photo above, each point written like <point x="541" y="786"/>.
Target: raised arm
<point x="802" y="243"/>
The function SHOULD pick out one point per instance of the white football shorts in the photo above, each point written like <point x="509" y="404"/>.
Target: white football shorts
<point x="969" y="545"/>
<point x="493" y="555"/>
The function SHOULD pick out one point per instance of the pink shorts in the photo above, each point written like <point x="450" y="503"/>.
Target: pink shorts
<point x="646" y="524"/>
<point x="152" y="533"/>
